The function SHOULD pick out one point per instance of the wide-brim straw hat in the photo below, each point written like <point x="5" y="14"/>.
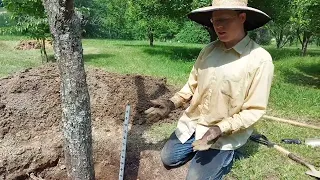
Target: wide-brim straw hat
<point x="255" y="17"/>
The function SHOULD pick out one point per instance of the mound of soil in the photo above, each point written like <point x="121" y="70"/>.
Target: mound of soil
<point x="31" y="44"/>
<point x="30" y="125"/>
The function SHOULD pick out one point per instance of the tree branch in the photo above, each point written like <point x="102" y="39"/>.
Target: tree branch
<point x="285" y="41"/>
<point x="298" y="34"/>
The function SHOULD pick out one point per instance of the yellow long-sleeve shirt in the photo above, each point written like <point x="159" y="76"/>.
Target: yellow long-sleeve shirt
<point x="229" y="88"/>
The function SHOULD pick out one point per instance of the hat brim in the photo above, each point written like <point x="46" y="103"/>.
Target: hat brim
<point x="255" y="17"/>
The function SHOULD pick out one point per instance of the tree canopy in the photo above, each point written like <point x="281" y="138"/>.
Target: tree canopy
<point x="166" y="20"/>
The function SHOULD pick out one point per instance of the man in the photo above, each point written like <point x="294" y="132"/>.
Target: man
<point x="228" y="90"/>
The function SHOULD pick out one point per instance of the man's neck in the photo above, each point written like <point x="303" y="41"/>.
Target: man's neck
<point x="232" y="43"/>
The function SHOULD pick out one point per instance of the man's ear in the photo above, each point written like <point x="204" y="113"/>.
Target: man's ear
<point x="243" y="17"/>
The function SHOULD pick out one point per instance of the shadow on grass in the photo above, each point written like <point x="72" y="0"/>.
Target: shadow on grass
<point x="183" y="53"/>
<point x="310" y="69"/>
<point x="308" y="75"/>
<point x="92" y="57"/>
<point x="278" y="54"/>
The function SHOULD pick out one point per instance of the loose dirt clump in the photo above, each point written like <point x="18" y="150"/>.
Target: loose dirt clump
<point x="30" y="125"/>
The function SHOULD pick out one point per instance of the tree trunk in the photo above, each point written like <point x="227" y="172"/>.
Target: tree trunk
<point x="65" y="28"/>
<point x="43" y="49"/>
<point x="305" y="41"/>
<point x="151" y="36"/>
<point x="291" y="40"/>
<point x="279" y="39"/>
<point x="304" y="47"/>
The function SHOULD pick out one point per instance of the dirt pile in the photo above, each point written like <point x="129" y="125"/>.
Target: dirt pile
<point x="32" y="44"/>
<point x="30" y="125"/>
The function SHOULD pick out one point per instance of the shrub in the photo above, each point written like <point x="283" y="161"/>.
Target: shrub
<point x="193" y="33"/>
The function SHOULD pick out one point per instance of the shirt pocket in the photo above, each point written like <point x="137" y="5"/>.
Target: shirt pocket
<point x="232" y="88"/>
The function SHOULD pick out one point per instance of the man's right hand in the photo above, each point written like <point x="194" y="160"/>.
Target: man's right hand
<point x="161" y="109"/>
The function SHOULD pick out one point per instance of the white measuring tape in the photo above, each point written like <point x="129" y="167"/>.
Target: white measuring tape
<point x="124" y="143"/>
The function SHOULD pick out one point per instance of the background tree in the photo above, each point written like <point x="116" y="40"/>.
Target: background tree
<point x="30" y="20"/>
<point x="202" y="3"/>
<point x="151" y="12"/>
<point x="280" y="27"/>
<point x="193" y="33"/>
<point x="166" y="20"/>
<point x="65" y="26"/>
<point x="306" y="20"/>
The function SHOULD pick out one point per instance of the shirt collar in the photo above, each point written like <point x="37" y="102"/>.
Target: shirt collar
<point x="239" y="47"/>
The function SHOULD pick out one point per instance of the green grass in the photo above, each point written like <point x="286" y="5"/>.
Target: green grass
<point x="12" y="60"/>
<point x="137" y="57"/>
<point x="2" y="10"/>
<point x="295" y="93"/>
<point x="12" y="38"/>
<point x="296" y="88"/>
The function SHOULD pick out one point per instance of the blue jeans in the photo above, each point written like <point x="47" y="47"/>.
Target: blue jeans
<point x="211" y="164"/>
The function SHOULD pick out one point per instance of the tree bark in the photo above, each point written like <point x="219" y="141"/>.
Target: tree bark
<point x="65" y="28"/>
<point x="151" y="36"/>
<point x="43" y="49"/>
<point x="282" y="36"/>
<point x="279" y="39"/>
<point x="298" y="35"/>
<point x="305" y="41"/>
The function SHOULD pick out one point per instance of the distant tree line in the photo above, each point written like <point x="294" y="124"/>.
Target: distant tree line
<point x="293" y="21"/>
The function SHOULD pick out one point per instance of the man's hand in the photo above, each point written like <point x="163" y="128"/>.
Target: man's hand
<point x="209" y="138"/>
<point x="161" y="109"/>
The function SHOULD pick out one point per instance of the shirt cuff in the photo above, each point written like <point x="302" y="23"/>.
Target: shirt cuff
<point x="177" y="101"/>
<point x="224" y="126"/>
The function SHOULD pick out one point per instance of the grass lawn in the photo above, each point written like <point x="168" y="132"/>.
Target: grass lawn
<point x="12" y="60"/>
<point x="2" y="10"/>
<point x="295" y="93"/>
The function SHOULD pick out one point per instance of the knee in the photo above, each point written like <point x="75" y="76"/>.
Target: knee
<point x="198" y="174"/>
<point x="166" y="157"/>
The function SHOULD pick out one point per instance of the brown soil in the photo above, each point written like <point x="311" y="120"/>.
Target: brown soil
<point x="31" y="44"/>
<point x="30" y="125"/>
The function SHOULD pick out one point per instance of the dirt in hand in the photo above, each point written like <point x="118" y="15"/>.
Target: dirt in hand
<point x="30" y="125"/>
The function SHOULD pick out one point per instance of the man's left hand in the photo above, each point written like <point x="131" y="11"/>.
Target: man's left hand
<point x="209" y="138"/>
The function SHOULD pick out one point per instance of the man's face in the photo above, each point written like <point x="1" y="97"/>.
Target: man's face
<point x="228" y="24"/>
